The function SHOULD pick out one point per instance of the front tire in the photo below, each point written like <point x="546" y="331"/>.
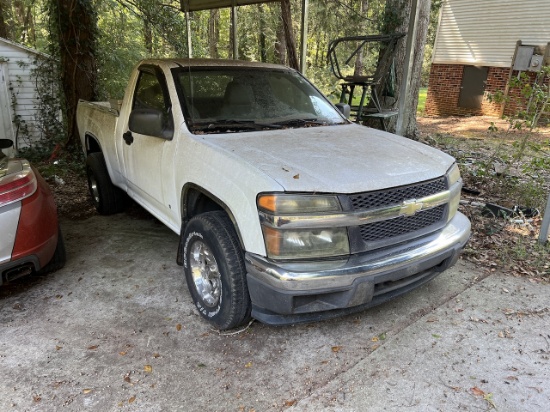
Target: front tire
<point x="215" y="271"/>
<point x="108" y="199"/>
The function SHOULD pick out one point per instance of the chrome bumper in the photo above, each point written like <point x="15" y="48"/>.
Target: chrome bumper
<point x="299" y="288"/>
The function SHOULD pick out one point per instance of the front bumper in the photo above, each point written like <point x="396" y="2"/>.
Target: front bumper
<point x="284" y="293"/>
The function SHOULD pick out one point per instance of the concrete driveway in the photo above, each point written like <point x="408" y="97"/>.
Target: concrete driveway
<point x="116" y="330"/>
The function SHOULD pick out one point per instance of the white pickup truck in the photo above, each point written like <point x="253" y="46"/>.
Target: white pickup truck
<point x="287" y="212"/>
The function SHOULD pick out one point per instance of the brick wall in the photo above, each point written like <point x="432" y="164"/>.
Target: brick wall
<point x="516" y="100"/>
<point x="444" y="91"/>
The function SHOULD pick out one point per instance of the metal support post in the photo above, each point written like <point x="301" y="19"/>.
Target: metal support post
<point x="303" y="45"/>
<point x="407" y="70"/>
<point x="543" y="236"/>
<point x="234" y="31"/>
<point x="189" y="43"/>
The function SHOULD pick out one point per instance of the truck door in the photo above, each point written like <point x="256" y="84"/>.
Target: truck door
<point x="146" y="146"/>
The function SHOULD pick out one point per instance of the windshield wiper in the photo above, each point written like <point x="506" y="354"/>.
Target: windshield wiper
<point x="227" y="124"/>
<point x="301" y="122"/>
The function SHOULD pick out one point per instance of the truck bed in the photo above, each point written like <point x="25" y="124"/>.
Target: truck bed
<point x="99" y="120"/>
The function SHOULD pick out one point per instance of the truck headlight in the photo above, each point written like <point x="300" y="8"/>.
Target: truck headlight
<point x="303" y="243"/>
<point x="455" y="185"/>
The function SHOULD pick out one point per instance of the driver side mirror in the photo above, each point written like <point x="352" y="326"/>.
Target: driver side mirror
<point x="151" y="122"/>
<point x="345" y="109"/>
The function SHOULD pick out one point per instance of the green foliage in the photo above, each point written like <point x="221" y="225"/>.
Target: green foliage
<point x="430" y="41"/>
<point x="531" y="102"/>
<point x="129" y="30"/>
<point x="422" y="95"/>
<point x="65" y="165"/>
<point x="118" y="32"/>
<point x="50" y="120"/>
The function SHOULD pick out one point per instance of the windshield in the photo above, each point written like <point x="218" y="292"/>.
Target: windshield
<point x="241" y="99"/>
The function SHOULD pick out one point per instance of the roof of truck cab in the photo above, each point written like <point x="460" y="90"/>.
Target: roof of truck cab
<point x="183" y="62"/>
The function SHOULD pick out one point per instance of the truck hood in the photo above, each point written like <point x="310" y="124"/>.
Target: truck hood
<point x="337" y="159"/>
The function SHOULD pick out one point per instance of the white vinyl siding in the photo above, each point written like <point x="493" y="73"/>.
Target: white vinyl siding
<point x="485" y="32"/>
<point x="20" y="61"/>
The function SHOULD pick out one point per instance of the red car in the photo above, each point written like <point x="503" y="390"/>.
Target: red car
<point x="30" y="238"/>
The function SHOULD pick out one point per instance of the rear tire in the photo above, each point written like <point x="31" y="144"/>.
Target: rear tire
<point x="215" y="271"/>
<point x="59" y="256"/>
<point x="107" y="198"/>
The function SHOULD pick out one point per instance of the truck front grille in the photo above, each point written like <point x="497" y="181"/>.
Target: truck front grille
<point x="402" y="225"/>
<point x="394" y="196"/>
<point x="380" y="234"/>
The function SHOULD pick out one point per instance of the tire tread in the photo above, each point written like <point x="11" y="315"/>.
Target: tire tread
<point x="111" y="199"/>
<point x="221" y="226"/>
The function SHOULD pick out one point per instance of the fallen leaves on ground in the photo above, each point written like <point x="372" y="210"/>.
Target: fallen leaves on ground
<point x="507" y="245"/>
<point x="478" y="392"/>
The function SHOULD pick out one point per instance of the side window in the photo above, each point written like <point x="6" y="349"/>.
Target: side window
<point x="151" y="110"/>
<point x="149" y="93"/>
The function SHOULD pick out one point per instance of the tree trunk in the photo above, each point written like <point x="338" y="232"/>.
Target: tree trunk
<point x="262" y="40"/>
<point x="148" y="36"/>
<point x="214" y="33"/>
<point x="19" y="15"/>
<point x="289" y="35"/>
<point x="30" y="36"/>
<point x="231" y="39"/>
<point x="280" y="45"/>
<point x="363" y="7"/>
<point x="4" y="31"/>
<point x="397" y="17"/>
<point x="74" y="23"/>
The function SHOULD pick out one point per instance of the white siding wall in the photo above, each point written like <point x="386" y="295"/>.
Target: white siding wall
<point x="485" y="32"/>
<point x="19" y="62"/>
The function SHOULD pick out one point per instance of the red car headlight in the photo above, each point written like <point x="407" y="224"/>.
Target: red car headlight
<point x="18" y="182"/>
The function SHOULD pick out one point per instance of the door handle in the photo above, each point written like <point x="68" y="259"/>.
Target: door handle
<point x="128" y="138"/>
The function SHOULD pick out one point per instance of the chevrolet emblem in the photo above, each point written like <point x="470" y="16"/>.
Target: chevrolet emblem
<point x="410" y="208"/>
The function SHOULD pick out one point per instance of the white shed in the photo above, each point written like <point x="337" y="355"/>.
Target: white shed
<point x="19" y="100"/>
<point x="475" y="53"/>
<point x="484" y="33"/>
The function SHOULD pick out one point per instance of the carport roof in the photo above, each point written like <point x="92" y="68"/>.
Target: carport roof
<point x="196" y="5"/>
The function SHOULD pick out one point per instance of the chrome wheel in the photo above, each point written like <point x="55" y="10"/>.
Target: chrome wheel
<point x="93" y="188"/>
<point x="205" y="273"/>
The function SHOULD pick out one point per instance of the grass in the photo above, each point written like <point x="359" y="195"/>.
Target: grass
<point x="422" y="100"/>
<point x="357" y="98"/>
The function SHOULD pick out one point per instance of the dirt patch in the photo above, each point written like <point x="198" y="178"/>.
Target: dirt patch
<point x="477" y="127"/>
<point x="72" y="196"/>
<point x="504" y="236"/>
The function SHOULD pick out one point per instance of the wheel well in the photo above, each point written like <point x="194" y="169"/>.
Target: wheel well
<point x="91" y="144"/>
<point x="195" y="201"/>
